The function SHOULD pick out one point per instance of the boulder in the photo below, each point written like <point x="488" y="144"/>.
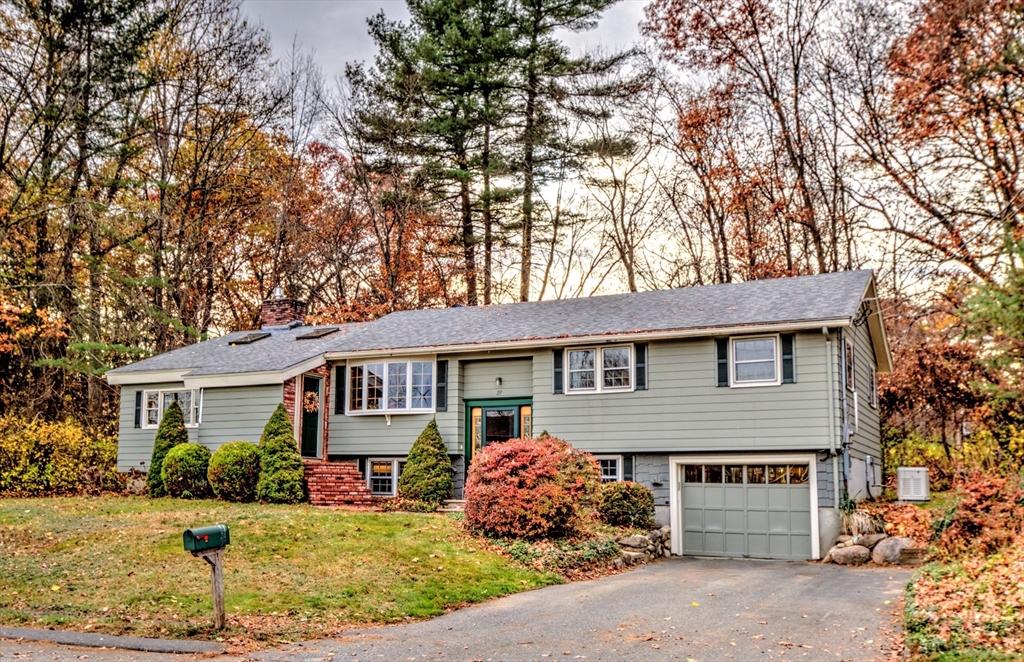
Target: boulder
<point x="872" y="539"/>
<point x="888" y="550"/>
<point x="635" y="557"/>
<point x="855" y="555"/>
<point x="843" y="538"/>
<point x="666" y="531"/>
<point x="636" y="542"/>
<point x="619" y="563"/>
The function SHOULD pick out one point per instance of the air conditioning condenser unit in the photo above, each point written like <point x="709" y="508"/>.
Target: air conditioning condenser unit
<point x="912" y="484"/>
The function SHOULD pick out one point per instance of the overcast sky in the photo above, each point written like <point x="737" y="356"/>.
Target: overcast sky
<point x="336" y="29"/>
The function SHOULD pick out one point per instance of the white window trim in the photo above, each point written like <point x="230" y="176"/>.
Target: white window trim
<point x="394" y="474"/>
<point x="765" y="382"/>
<point x="599" y="371"/>
<point x="384" y="411"/>
<point x="676" y="463"/>
<point x="198" y="412"/>
<point x="618" y="464"/>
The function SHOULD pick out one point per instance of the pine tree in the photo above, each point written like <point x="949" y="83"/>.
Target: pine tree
<point x="171" y="433"/>
<point x="427" y="475"/>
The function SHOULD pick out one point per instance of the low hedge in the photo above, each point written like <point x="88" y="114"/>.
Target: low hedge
<point x="184" y="471"/>
<point x="626" y="504"/>
<point x="234" y="471"/>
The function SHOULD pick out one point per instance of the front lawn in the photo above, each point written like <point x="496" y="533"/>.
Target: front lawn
<point x="116" y="565"/>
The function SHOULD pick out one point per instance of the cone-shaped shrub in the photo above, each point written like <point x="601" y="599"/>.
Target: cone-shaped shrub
<point x="171" y="433"/>
<point x="530" y="488"/>
<point x="184" y="471"/>
<point x="626" y="504"/>
<point x="235" y="471"/>
<point x="281" y="475"/>
<point x="427" y="475"/>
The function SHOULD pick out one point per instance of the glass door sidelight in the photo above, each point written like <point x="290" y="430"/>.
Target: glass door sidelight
<point x="495" y="421"/>
<point x="311" y="405"/>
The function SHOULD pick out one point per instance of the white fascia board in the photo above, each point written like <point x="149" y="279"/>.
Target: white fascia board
<point x="262" y="378"/>
<point x="597" y="340"/>
<point x="146" y="376"/>
<point x="876" y="326"/>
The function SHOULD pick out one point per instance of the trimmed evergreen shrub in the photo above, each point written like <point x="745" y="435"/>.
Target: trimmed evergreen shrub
<point x="184" y="471"/>
<point x="626" y="504"/>
<point x="530" y="488"/>
<point x="171" y="433"/>
<point x="427" y="475"/>
<point x="235" y="471"/>
<point x="281" y="473"/>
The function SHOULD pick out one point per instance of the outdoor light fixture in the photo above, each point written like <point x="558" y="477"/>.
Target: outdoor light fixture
<point x="497" y="382"/>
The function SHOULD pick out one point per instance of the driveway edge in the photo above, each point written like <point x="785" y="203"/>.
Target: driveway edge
<point x="69" y="638"/>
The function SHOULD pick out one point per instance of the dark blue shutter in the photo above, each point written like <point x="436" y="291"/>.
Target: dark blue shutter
<point x="340" y="389"/>
<point x="722" y="349"/>
<point x="627" y="467"/>
<point x="441" y="392"/>
<point x="788" y="369"/>
<point x="138" y="409"/>
<point x="641" y="366"/>
<point x="557" y="378"/>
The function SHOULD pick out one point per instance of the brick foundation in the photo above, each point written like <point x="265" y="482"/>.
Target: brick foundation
<point x="337" y="484"/>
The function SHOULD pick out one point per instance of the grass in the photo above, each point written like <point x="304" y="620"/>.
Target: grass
<point x="116" y="565"/>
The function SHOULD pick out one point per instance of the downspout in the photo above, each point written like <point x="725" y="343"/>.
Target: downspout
<point x="832" y="414"/>
<point x="845" y="421"/>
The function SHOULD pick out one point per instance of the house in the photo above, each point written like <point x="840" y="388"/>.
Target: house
<point x="749" y="409"/>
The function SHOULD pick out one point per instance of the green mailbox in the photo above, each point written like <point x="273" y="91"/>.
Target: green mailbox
<point x="207" y="537"/>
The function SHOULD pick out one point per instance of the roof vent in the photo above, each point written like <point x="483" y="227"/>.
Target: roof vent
<point x="249" y="338"/>
<point x="912" y="484"/>
<point x="317" y="333"/>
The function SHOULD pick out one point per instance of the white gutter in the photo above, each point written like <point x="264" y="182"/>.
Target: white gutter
<point x="534" y="343"/>
<point x="146" y="376"/>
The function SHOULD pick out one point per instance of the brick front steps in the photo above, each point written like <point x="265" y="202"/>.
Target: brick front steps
<point x="337" y="484"/>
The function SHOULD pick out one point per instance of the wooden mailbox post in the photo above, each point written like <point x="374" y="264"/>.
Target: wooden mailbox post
<point x="208" y="543"/>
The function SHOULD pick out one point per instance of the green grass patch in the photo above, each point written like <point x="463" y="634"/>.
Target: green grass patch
<point x="117" y="565"/>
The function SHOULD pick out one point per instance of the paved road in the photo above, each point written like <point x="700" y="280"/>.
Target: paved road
<point x="746" y="610"/>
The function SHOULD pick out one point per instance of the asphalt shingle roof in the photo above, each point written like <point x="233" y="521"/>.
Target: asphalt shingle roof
<point x="805" y="299"/>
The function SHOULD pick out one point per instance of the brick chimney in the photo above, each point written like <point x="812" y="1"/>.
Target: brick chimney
<point x="280" y="311"/>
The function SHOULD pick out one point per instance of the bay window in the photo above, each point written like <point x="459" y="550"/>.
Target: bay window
<point x="391" y="387"/>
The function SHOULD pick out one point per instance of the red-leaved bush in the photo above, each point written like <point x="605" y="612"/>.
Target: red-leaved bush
<point x="530" y="488"/>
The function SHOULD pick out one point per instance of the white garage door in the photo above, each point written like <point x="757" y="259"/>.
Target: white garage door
<point x="746" y="510"/>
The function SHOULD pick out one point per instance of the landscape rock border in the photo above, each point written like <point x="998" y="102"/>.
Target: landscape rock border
<point x="639" y="549"/>
<point x="878" y="548"/>
<point x="94" y="640"/>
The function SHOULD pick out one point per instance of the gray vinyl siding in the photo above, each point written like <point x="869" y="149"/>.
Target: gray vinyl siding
<point x="866" y="440"/>
<point x="238" y="413"/>
<point x="228" y="414"/>
<point x="135" y="445"/>
<point x="480" y="377"/>
<point x="683" y="409"/>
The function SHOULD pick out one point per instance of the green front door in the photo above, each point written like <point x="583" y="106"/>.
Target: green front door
<point x="312" y="406"/>
<point x="493" y="421"/>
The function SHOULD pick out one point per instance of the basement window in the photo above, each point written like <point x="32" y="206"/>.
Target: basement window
<point x="383" y="474"/>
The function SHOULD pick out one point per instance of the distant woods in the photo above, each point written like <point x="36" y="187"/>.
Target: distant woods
<point x="161" y="170"/>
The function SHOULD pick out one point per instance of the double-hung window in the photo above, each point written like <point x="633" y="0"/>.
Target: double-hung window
<point x="611" y="467"/>
<point x="389" y="387"/>
<point x="755" y="361"/>
<point x="600" y="369"/>
<point x="156" y="403"/>
<point x="383" y="474"/>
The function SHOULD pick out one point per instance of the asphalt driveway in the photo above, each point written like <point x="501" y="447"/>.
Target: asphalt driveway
<point x="679" y="609"/>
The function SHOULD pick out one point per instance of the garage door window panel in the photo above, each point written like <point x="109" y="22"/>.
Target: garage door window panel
<point x="798" y="474"/>
<point x="693" y="473"/>
<point x="777" y="474"/>
<point x="712" y="473"/>
<point x="755" y="474"/>
<point x="734" y="474"/>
